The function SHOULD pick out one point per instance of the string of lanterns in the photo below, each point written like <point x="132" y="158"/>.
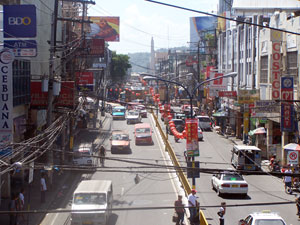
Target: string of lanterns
<point x="167" y="114"/>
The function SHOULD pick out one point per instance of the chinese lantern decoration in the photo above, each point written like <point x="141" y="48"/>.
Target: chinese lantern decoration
<point x="145" y="92"/>
<point x="120" y="89"/>
<point x="133" y="92"/>
<point x="110" y="89"/>
<point x="126" y="89"/>
<point x="116" y="89"/>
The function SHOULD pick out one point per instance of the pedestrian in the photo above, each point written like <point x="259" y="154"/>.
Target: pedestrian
<point x="43" y="188"/>
<point x="298" y="206"/>
<point x="13" y="209"/>
<point x="222" y="212"/>
<point x="21" y="202"/>
<point x="192" y="200"/>
<point x="102" y="152"/>
<point x="179" y="209"/>
<point x="287" y="179"/>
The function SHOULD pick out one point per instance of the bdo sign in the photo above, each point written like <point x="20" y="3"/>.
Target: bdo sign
<point x="19" y="21"/>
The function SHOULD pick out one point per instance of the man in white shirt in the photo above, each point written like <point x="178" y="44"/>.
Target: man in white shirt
<point x="287" y="179"/>
<point x="192" y="200"/>
<point x="43" y="188"/>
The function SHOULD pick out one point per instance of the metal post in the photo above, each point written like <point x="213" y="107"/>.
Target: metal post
<point x="51" y="76"/>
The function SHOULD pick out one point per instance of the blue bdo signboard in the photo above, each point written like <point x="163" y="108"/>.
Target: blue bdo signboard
<point x="19" y="21"/>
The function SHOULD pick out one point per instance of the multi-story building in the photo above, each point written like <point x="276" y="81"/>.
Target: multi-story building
<point x="247" y="50"/>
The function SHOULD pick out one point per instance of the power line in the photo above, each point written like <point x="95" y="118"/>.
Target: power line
<point x="146" y="208"/>
<point x="223" y="17"/>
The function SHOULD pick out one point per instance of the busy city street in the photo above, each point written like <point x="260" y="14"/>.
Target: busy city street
<point x="145" y="112"/>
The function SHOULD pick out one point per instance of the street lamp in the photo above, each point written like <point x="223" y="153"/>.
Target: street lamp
<point x="191" y="96"/>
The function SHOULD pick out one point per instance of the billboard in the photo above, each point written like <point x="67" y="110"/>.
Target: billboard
<point x="199" y="27"/>
<point x="106" y="28"/>
<point x="248" y="96"/>
<point x="19" y="21"/>
<point x="6" y="103"/>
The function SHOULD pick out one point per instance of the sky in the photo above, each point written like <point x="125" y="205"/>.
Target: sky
<point x="140" y="20"/>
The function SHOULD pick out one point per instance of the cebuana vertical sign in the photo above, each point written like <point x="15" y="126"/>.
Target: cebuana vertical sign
<point x="6" y="101"/>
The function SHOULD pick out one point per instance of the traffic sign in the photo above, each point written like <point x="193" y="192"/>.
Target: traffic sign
<point x="292" y="157"/>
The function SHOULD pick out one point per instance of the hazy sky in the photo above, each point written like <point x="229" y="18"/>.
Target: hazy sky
<point x="140" y="20"/>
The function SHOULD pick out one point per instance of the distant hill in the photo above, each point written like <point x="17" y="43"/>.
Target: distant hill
<point x="140" y="61"/>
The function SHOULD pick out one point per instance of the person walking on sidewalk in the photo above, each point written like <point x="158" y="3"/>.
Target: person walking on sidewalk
<point x="192" y="199"/>
<point x="221" y="213"/>
<point x="102" y="152"/>
<point x="21" y="202"/>
<point x="43" y="188"/>
<point x="179" y="209"/>
<point x="13" y="207"/>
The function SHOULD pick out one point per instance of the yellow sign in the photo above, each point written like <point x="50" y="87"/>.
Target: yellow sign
<point x="248" y="96"/>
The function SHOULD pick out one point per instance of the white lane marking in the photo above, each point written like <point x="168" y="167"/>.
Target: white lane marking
<point x="122" y="191"/>
<point x="176" y="186"/>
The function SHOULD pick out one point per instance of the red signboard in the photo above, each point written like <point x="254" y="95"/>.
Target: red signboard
<point x="65" y="98"/>
<point x="275" y="68"/>
<point x="84" y="78"/>
<point x="227" y="94"/>
<point x="97" y="47"/>
<point x="192" y="147"/>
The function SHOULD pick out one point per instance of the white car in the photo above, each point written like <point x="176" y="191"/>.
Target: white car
<point x="229" y="183"/>
<point x="200" y="134"/>
<point x="265" y="217"/>
<point x="133" y="117"/>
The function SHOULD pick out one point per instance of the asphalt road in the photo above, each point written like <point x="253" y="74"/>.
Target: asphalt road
<point x="153" y="190"/>
<point x="215" y="152"/>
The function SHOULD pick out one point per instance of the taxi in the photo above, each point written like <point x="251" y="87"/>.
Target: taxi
<point x="265" y="217"/>
<point x="143" y="134"/>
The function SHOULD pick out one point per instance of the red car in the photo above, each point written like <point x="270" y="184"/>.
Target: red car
<point x="143" y="134"/>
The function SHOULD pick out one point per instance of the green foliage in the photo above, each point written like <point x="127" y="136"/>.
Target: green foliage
<point x="119" y="66"/>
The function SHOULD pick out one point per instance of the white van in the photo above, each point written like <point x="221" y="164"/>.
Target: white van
<point x="246" y="157"/>
<point x="204" y="122"/>
<point x="83" y="154"/>
<point x="94" y="195"/>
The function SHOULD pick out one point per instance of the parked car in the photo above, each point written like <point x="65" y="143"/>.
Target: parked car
<point x="83" y="154"/>
<point x="143" y="134"/>
<point x="229" y="183"/>
<point x="142" y="109"/>
<point x="200" y="134"/>
<point x="266" y="217"/>
<point x="120" y="142"/>
<point x="204" y="122"/>
<point x="133" y="117"/>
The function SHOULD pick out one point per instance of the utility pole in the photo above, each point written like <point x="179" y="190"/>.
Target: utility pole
<point x="51" y="77"/>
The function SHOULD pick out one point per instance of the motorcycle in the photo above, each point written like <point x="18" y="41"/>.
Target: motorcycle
<point x="274" y="166"/>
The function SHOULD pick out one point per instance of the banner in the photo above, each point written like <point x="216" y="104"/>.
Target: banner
<point x="229" y="94"/>
<point x="276" y="38"/>
<point x="192" y="147"/>
<point x="6" y="103"/>
<point x="106" y="28"/>
<point x="287" y="108"/>
<point x="19" y="21"/>
<point x="66" y="98"/>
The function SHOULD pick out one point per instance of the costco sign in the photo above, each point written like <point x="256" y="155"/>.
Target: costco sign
<point x="275" y="64"/>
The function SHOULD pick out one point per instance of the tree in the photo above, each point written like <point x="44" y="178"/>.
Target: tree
<point x="119" y="66"/>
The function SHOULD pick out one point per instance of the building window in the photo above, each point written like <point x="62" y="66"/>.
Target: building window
<point x="264" y="69"/>
<point x="21" y="82"/>
<point x="292" y="69"/>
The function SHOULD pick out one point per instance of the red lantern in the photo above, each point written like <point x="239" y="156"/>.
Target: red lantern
<point x="116" y="89"/>
<point x="145" y="92"/>
<point x="126" y="89"/>
<point x="110" y="89"/>
<point x="120" y="89"/>
<point x="133" y="92"/>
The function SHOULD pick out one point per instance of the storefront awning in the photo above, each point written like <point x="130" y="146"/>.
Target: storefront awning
<point x="292" y="147"/>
